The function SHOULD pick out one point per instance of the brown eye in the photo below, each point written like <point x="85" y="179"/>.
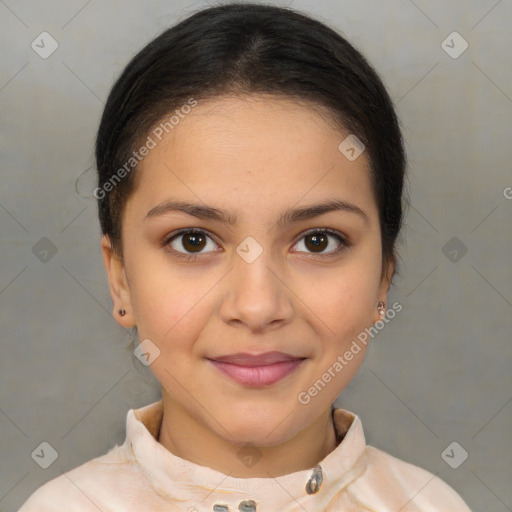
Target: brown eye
<point x="193" y="242"/>
<point x="188" y="242"/>
<point x="317" y="241"/>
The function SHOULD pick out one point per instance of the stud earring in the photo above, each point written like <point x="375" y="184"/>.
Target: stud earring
<point x="381" y="306"/>
<point x="122" y="312"/>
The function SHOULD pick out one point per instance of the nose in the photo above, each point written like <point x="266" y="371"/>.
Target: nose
<point x="258" y="297"/>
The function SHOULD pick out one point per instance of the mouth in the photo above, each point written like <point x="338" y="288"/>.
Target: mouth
<point x="257" y="370"/>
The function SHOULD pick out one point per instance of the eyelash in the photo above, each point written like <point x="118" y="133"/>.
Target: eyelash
<point x="344" y="244"/>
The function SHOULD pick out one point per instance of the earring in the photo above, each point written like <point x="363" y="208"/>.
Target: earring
<point x="381" y="306"/>
<point x="122" y="312"/>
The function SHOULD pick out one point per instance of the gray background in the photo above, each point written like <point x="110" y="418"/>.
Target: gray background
<point x="438" y="373"/>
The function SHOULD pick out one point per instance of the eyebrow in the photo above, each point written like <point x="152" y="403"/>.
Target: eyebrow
<point x="288" y="217"/>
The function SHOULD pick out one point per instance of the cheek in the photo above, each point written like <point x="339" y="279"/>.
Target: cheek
<point x="170" y="307"/>
<point x="343" y="302"/>
<point x="344" y="307"/>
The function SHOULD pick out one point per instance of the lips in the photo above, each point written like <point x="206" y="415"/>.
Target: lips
<point x="257" y="370"/>
<point x="245" y="359"/>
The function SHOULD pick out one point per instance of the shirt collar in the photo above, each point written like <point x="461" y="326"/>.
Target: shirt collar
<point x="179" y="479"/>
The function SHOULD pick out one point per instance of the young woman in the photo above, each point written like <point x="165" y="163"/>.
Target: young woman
<point x="251" y="170"/>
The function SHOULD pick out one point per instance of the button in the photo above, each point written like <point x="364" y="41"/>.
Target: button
<point x="314" y="483"/>
<point x="220" y="508"/>
<point x="247" y="506"/>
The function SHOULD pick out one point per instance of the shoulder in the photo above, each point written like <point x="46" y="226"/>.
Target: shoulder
<point x="407" y="486"/>
<point x="87" y="487"/>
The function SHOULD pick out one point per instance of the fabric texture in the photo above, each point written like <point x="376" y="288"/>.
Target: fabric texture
<point x="142" y="475"/>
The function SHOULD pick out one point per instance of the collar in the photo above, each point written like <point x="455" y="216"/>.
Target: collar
<point x="180" y="480"/>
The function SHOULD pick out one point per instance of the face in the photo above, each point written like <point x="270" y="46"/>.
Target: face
<point x="261" y="273"/>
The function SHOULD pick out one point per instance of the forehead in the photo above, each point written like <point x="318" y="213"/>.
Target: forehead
<point x="255" y="151"/>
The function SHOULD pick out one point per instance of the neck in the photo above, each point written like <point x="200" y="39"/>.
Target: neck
<point x="191" y="440"/>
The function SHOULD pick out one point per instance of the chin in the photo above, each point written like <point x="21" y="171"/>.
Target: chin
<point x="258" y="430"/>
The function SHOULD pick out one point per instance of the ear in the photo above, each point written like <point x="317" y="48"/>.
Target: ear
<point x="118" y="283"/>
<point x="385" y="283"/>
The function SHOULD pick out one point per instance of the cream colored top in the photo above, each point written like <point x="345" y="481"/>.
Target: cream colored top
<point x="142" y="475"/>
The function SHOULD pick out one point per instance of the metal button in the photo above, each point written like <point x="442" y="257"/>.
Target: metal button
<point x="247" y="506"/>
<point x="314" y="483"/>
<point x="220" y="508"/>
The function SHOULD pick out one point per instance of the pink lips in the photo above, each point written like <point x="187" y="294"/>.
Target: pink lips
<point x="257" y="371"/>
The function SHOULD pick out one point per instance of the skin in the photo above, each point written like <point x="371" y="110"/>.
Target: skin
<point x="254" y="157"/>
